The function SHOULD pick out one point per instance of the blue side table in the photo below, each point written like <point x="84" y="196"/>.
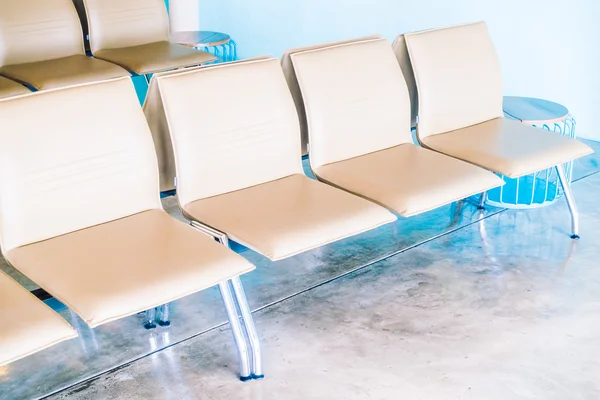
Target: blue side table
<point x="218" y="44"/>
<point x="541" y="188"/>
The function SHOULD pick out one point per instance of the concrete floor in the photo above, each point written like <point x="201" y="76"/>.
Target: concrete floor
<point x="475" y="305"/>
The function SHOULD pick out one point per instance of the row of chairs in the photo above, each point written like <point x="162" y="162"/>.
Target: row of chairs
<point x="43" y="44"/>
<point x="64" y="154"/>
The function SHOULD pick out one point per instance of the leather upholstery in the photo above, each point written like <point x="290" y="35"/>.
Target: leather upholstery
<point x="38" y="30"/>
<point x="508" y="147"/>
<point x="408" y="179"/>
<point x="228" y="143"/>
<point x="285" y="217"/>
<point x="61" y="72"/>
<point x="135" y="35"/>
<point x="155" y="57"/>
<point x="460" y="105"/>
<point x="122" y="267"/>
<point x="155" y="115"/>
<point x="239" y="163"/>
<point x="353" y="108"/>
<point x="10" y="88"/>
<point x="115" y="24"/>
<point x="290" y="76"/>
<point x="458" y="77"/>
<point x="104" y="256"/>
<point x="399" y="47"/>
<point x="28" y="325"/>
<point x="42" y="45"/>
<point x="359" y="129"/>
<point x="92" y="141"/>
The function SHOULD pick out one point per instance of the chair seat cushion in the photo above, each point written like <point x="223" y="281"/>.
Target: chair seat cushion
<point x="508" y="147"/>
<point x="61" y="72"/>
<point x="287" y="216"/>
<point x="28" y="325"/>
<point x="155" y="57"/>
<point x="120" y="268"/>
<point x="408" y="179"/>
<point x="10" y="88"/>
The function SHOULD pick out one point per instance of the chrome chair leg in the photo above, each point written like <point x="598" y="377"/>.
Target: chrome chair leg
<point x="248" y="321"/>
<point x="482" y="200"/>
<point x="237" y="330"/>
<point x="570" y="201"/>
<point x="164" y="315"/>
<point x="149" y="318"/>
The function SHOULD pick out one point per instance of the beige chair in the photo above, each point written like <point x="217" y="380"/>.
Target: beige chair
<point x="155" y="115"/>
<point x="460" y="109"/>
<point x="104" y="256"/>
<point x="401" y="52"/>
<point x="10" y="88"/>
<point x="238" y="163"/>
<point x="359" y="130"/>
<point x="290" y="77"/>
<point x="42" y="46"/>
<point x="28" y="325"/>
<point x="135" y="35"/>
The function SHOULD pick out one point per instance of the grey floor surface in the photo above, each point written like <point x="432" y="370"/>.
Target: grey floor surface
<point x="498" y="304"/>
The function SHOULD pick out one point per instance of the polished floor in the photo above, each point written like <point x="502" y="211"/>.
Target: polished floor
<point x="453" y="304"/>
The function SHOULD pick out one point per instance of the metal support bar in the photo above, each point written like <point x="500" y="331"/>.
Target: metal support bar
<point x="164" y="315"/>
<point x="237" y="330"/>
<point x="482" y="200"/>
<point x="570" y="201"/>
<point x="149" y="318"/>
<point x="252" y="335"/>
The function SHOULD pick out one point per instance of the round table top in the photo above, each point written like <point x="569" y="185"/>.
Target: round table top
<point x="200" y="38"/>
<point x="531" y="110"/>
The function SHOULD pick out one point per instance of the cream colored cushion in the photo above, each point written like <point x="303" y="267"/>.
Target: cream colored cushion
<point x="155" y="57"/>
<point x="353" y="108"/>
<point x="122" y="267"/>
<point x="290" y="76"/>
<point x="155" y="115"/>
<point x="239" y="167"/>
<point x="10" y="88"/>
<point x="73" y="158"/>
<point x="399" y="47"/>
<point x="288" y="216"/>
<point x="359" y="128"/>
<point x="224" y="143"/>
<point x="508" y="147"/>
<point x="38" y="30"/>
<point x="126" y="23"/>
<point x="458" y="77"/>
<point x="61" y="72"/>
<point x="408" y="179"/>
<point x="28" y="325"/>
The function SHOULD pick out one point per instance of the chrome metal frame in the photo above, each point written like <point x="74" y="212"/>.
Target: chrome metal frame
<point x="237" y="330"/>
<point x="564" y="182"/>
<point x="250" y="368"/>
<point x="149" y="318"/>
<point x="164" y="315"/>
<point x="482" y="201"/>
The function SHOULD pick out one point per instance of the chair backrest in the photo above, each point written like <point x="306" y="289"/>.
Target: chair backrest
<point x="399" y="47"/>
<point x="124" y="23"/>
<point x="157" y="120"/>
<point x="73" y="158"/>
<point x="232" y="126"/>
<point x="290" y="77"/>
<point x="38" y="30"/>
<point x="356" y="100"/>
<point x="458" y="77"/>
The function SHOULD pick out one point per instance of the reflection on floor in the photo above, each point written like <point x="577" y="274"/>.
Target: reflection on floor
<point x="473" y="305"/>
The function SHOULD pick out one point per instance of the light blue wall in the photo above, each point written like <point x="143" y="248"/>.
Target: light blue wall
<point x="548" y="48"/>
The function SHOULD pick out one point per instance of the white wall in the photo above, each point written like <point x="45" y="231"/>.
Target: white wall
<point x="548" y="48"/>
